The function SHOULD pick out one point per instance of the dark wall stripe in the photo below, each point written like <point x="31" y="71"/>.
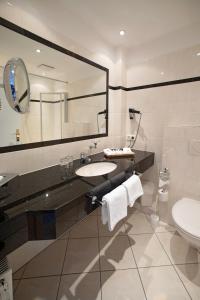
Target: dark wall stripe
<point x="154" y="85"/>
<point x="23" y="96"/>
<point x="119" y="87"/>
<point x="44" y="101"/>
<point x="87" y="96"/>
<point x="73" y="98"/>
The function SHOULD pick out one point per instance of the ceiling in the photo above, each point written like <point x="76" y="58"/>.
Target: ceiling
<point x="64" y="67"/>
<point x="153" y="27"/>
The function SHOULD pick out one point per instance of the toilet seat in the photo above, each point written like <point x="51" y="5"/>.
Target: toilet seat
<point x="186" y="215"/>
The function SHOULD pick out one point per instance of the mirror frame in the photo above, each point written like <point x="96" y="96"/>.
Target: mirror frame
<point x="9" y="25"/>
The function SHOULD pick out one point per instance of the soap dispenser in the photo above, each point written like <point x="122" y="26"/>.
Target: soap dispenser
<point x="164" y="178"/>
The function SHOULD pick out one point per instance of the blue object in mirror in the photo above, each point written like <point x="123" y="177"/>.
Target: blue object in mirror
<point x="16" y="85"/>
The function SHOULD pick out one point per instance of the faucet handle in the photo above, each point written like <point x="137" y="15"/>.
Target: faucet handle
<point x="96" y="143"/>
<point x="93" y="144"/>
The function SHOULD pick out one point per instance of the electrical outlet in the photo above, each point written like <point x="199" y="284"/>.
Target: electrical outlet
<point x="130" y="137"/>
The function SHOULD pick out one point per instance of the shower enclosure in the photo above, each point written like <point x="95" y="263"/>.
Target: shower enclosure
<point x="53" y="113"/>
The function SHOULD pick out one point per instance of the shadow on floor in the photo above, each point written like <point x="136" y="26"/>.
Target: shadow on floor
<point x="80" y="286"/>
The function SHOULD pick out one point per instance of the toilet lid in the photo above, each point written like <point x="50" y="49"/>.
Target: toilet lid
<point x="186" y="214"/>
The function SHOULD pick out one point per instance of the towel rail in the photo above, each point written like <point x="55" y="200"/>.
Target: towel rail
<point x="95" y="200"/>
<point x="137" y="173"/>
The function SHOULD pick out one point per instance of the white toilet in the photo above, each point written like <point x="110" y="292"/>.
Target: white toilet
<point x="186" y="215"/>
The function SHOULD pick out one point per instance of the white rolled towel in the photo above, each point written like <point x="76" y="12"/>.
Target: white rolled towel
<point x="134" y="189"/>
<point x="114" y="207"/>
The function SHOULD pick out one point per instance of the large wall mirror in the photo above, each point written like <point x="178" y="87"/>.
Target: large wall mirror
<point x="68" y="93"/>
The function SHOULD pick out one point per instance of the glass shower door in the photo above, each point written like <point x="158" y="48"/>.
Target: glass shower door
<point x="51" y="116"/>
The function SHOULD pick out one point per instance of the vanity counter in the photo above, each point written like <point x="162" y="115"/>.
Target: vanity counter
<point x="45" y="203"/>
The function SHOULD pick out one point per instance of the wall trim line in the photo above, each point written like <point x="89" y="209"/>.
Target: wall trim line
<point x="154" y="85"/>
<point x="72" y="98"/>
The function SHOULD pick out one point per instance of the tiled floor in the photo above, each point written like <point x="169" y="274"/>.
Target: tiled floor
<point x="134" y="262"/>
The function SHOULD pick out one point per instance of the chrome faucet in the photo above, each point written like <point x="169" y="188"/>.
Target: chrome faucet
<point x="93" y="146"/>
<point x="86" y="157"/>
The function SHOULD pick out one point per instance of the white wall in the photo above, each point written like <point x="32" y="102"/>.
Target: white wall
<point x="29" y="124"/>
<point x="171" y="114"/>
<point x="176" y="65"/>
<point x="82" y="113"/>
<point x="164" y="107"/>
<point x="33" y="159"/>
<point x="170" y="120"/>
<point x="8" y="129"/>
<point x="30" y="128"/>
<point x="29" y="160"/>
<point x="88" y="85"/>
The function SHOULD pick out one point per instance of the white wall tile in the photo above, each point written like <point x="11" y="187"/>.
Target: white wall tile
<point x="171" y="118"/>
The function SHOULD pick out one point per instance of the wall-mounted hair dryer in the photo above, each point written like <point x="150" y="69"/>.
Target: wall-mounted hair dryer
<point x="103" y="112"/>
<point x="133" y="111"/>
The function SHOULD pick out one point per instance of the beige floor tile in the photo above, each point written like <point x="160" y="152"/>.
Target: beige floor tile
<point x="137" y="224"/>
<point x="43" y="288"/>
<point x="148" y="251"/>
<point x="132" y="210"/>
<point x="179" y="251"/>
<point x="98" y="211"/>
<point x="190" y="275"/>
<point x="164" y="227"/>
<point x="15" y="284"/>
<point x="121" y="285"/>
<point x="85" y="228"/>
<point x="82" y="256"/>
<point x="80" y="286"/>
<point x="162" y="283"/>
<point x="18" y="274"/>
<point x="64" y="236"/>
<point x="116" y="253"/>
<point x="93" y="213"/>
<point x="104" y="231"/>
<point x="64" y="226"/>
<point x="48" y="262"/>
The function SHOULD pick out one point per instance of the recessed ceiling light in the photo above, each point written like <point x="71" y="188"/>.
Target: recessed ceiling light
<point x="198" y="54"/>
<point x="122" y="32"/>
<point x="38" y="50"/>
<point x="162" y="73"/>
<point x="9" y="3"/>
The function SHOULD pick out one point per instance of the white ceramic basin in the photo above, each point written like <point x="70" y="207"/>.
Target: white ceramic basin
<point x="96" y="169"/>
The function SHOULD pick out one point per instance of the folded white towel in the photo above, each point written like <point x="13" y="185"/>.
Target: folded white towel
<point x="118" y="152"/>
<point x="114" y="207"/>
<point x="134" y="189"/>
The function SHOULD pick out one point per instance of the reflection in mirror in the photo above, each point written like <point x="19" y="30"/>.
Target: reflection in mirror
<point x="16" y="85"/>
<point x="68" y="96"/>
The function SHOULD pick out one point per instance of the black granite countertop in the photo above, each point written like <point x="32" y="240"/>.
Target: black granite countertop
<point x="42" y="184"/>
<point x="44" y="204"/>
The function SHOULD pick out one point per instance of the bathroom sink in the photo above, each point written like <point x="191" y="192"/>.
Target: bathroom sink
<point x="96" y="169"/>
